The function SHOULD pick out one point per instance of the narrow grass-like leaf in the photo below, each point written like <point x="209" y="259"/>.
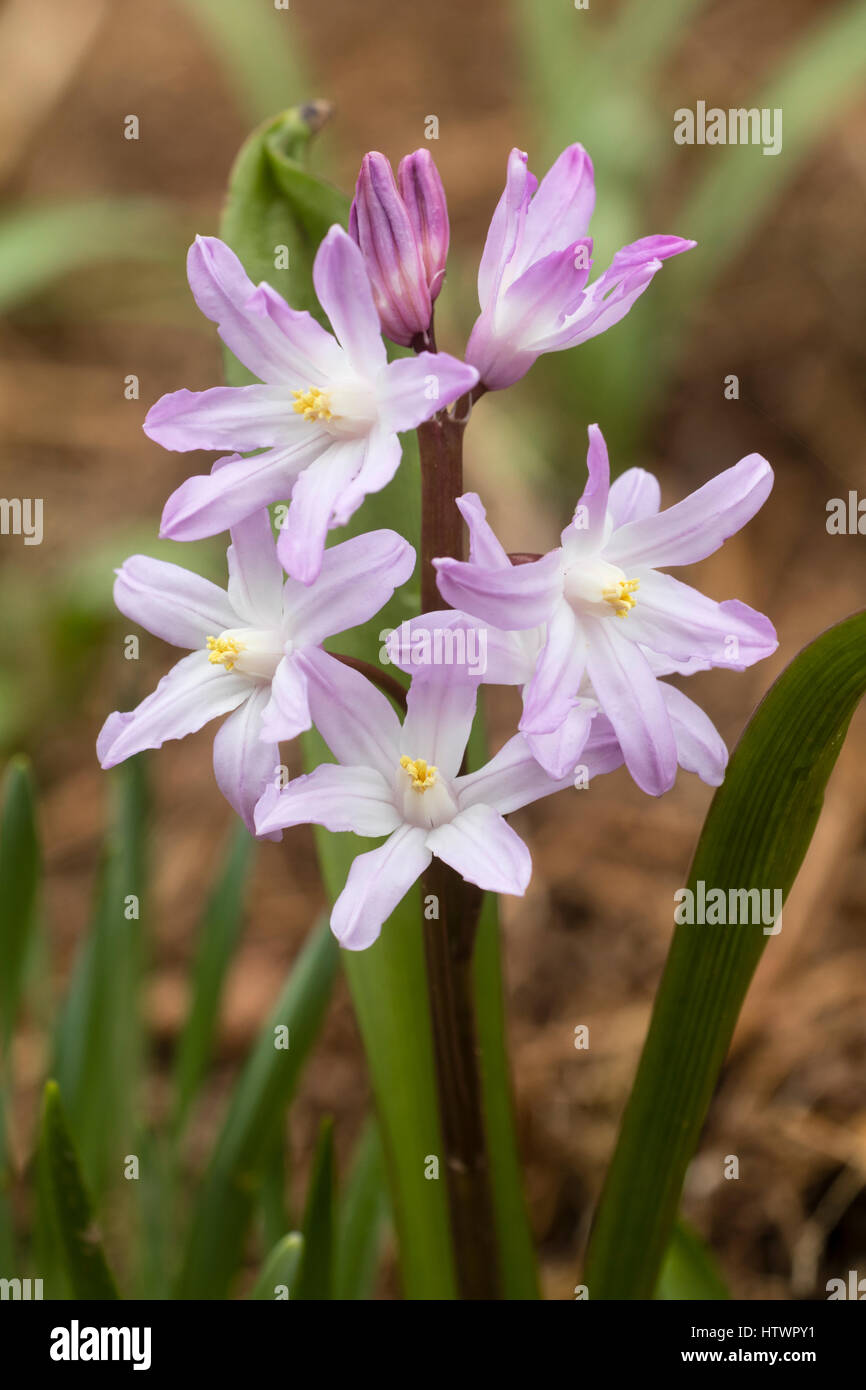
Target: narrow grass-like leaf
<point x="218" y="936"/>
<point x="227" y="1196"/>
<point x="19" y="876"/>
<point x="42" y="242"/>
<point x="315" y="1280"/>
<point x="280" y="1269"/>
<point x="362" y="1218"/>
<point x="757" y="831"/>
<point x="98" y="1047"/>
<point x="689" y="1272"/>
<point x="86" y="1266"/>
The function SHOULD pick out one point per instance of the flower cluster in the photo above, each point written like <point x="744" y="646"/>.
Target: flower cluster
<point x="588" y="631"/>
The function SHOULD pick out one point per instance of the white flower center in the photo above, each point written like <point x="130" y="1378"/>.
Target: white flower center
<point x="596" y="586"/>
<point x="248" y="651"/>
<point x="346" y="409"/>
<point x="423" y="794"/>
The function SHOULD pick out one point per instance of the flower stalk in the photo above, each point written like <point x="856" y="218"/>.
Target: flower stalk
<point x="449" y="940"/>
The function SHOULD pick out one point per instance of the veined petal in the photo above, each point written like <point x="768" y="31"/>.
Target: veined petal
<point x="512" y="779"/>
<point x="356" y="720"/>
<point x="700" y="524"/>
<point x="276" y="343"/>
<point x="255" y="574"/>
<point x="522" y="596"/>
<point x="243" y="764"/>
<point x="225" y="417"/>
<point x="412" y="389"/>
<point x="484" y="850"/>
<point x="382" y="452"/>
<point x="629" y="695"/>
<point x="377" y="882"/>
<point x="633" y="495"/>
<point x="438" y="720"/>
<point x="339" y="798"/>
<point x="559" y="751"/>
<point x="171" y="602"/>
<point x="700" y="747"/>
<point x="484" y="548"/>
<point x="586" y="531"/>
<point x="316" y="496"/>
<point x="609" y="298"/>
<point x="188" y="697"/>
<point x="337" y="601"/>
<point x="287" y="710"/>
<point x="561" y="209"/>
<point x="208" y="503"/>
<point x="552" y="691"/>
<point x="678" y="621"/>
<point x="506" y="224"/>
<point x="343" y="290"/>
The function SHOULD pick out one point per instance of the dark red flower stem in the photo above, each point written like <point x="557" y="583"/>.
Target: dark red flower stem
<point x="449" y="939"/>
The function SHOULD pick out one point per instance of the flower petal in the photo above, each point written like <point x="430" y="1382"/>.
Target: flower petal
<point x="243" y="764"/>
<point x="520" y="597"/>
<point x="337" y="601"/>
<point x="678" y="621"/>
<point x="225" y="417"/>
<point x="609" y="298"/>
<point x="512" y="779"/>
<point x="552" y="691"/>
<point x="189" y="696"/>
<point x="700" y="747"/>
<point x="586" y="531"/>
<point x="316" y="496"/>
<point x="208" y="503"/>
<point x="438" y="720"/>
<point x="276" y="343"/>
<point x="343" y="290"/>
<point x="629" y="695"/>
<point x="506" y="224"/>
<point x="633" y="495"/>
<point x="483" y="849"/>
<point x="171" y="602"/>
<point x="449" y="642"/>
<point x="356" y="720"/>
<point x="287" y="711"/>
<point x="377" y="882"/>
<point x="255" y="574"/>
<point x="339" y="798"/>
<point x="559" y="751"/>
<point x="697" y="526"/>
<point x="484" y="548"/>
<point x="561" y="209"/>
<point x="412" y="389"/>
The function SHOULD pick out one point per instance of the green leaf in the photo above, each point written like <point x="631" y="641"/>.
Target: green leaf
<point x="280" y="1269"/>
<point x="756" y="834"/>
<point x="316" y="1276"/>
<point x="689" y="1271"/>
<point x="19" y="874"/>
<point x="98" y="1047"/>
<point x="86" y="1266"/>
<point x="42" y="242"/>
<point x="363" y="1214"/>
<point x="218" y="937"/>
<point x="258" y="48"/>
<point x="227" y="1196"/>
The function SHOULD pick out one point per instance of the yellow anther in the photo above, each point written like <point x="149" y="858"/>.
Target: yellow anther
<point x="423" y="774"/>
<point x="224" y="651"/>
<point x="313" y="404"/>
<point x="619" y="596"/>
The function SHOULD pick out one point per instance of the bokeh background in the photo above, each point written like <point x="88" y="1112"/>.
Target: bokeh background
<point x="93" y="229"/>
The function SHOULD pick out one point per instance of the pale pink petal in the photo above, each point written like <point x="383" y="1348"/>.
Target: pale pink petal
<point x="629" y="695"/>
<point x="287" y="711"/>
<point x="343" y="290"/>
<point x="700" y="747"/>
<point x="188" y="697"/>
<point x="412" y="389"/>
<point x="358" y="722"/>
<point x="315" y="498"/>
<point x="377" y="882"/>
<point x="171" y="602"/>
<point x="522" y="596"/>
<point x="633" y="495"/>
<point x="225" y="417"/>
<point x="339" y="798"/>
<point x="484" y="850"/>
<point x="243" y="764"/>
<point x="338" y="601"/>
<point x="236" y="487"/>
<point x="255" y="574"/>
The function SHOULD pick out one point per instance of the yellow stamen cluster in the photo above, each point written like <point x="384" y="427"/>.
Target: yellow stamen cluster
<point x="313" y="404"/>
<point x="423" y="775"/>
<point x="619" y="596"/>
<point x="224" y="651"/>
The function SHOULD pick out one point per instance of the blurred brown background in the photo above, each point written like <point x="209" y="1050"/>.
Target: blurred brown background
<point x="785" y="314"/>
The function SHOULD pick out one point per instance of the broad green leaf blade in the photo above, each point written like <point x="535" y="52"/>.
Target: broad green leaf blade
<point x="86" y="1266"/>
<point x="756" y="834"/>
<point x="42" y="242"/>
<point x="98" y="1048"/>
<point x="19" y="876"/>
<point x="258" y="48"/>
<point x="280" y="1269"/>
<point x="689" y="1271"/>
<point x="315" y="1280"/>
<point x="363" y="1214"/>
<point x="227" y="1196"/>
<point x="218" y="937"/>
